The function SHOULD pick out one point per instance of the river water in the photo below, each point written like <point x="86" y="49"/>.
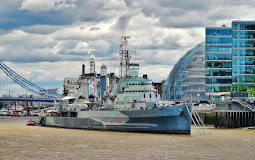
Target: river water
<point x="18" y="141"/>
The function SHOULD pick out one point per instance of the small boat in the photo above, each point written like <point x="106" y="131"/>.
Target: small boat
<point x="4" y="112"/>
<point x="32" y="123"/>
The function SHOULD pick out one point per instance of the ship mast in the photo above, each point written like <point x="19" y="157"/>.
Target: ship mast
<point x="124" y="57"/>
<point x="92" y="60"/>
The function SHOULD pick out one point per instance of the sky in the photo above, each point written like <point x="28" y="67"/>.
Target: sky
<point x="47" y="40"/>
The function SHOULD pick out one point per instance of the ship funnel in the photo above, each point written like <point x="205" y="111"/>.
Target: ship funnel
<point x="83" y="69"/>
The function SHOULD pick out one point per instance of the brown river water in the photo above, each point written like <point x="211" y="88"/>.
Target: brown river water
<point x="18" y="141"/>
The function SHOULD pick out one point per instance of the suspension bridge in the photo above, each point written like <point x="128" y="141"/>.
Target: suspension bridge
<point x="14" y="87"/>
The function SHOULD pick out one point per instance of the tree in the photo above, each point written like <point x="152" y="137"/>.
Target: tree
<point x="1" y="105"/>
<point x="251" y="92"/>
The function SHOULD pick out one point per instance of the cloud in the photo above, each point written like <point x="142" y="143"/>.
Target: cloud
<point x="195" y="13"/>
<point x="41" y="29"/>
<point x="46" y="71"/>
<point x="161" y="72"/>
<point x="44" y="74"/>
<point x="47" y="5"/>
<point x="94" y="28"/>
<point x="15" y="14"/>
<point x="45" y="35"/>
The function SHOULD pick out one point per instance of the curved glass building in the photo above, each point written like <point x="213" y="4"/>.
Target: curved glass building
<point x="186" y="81"/>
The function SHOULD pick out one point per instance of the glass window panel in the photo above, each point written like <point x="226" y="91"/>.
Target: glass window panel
<point x="218" y="64"/>
<point x="218" y="56"/>
<point x="243" y="61"/>
<point x="218" y="40"/>
<point x="218" y="80"/>
<point x="218" y="88"/>
<point x="243" y="35"/>
<point x="218" y="31"/>
<point x="243" y="52"/>
<point x="243" y="78"/>
<point x="243" y="25"/>
<point x="243" y="43"/>
<point x="218" y="48"/>
<point x="218" y="72"/>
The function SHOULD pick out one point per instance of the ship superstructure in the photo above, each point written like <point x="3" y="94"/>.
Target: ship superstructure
<point x="130" y="104"/>
<point x="132" y="92"/>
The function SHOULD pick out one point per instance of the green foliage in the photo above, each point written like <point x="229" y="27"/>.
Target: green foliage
<point x="239" y="87"/>
<point x="251" y="92"/>
<point x="209" y="118"/>
<point x="1" y="104"/>
<point x="225" y="89"/>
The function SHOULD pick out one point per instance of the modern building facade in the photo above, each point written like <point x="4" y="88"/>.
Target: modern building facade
<point x="243" y="55"/>
<point x="218" y="59"/>
<point x="221" y="70"/>
<point x="230" y="57"/>
<point x="186" y="81"/>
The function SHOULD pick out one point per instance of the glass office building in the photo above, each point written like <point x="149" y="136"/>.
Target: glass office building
<point x="230" y="57"/>
<point x="186" y="81"/>
<point x="218" y="59"/>
<point x="243" y="55"/>
<point x="225" y="63"/>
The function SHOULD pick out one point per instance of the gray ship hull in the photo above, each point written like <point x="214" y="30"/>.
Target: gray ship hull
<point x="174" y="119"/>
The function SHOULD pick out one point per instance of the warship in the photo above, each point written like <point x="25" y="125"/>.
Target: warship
<point x="132" y="104"/>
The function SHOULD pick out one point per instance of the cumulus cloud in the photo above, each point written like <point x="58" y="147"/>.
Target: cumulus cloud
<point x="55" y="34"/>
<point x="81" y="47"/>
<point x="156" y="72"/>
<point x="47" y="5"/>
<point x="45" y="74"/>
<point x="41" y="29"/>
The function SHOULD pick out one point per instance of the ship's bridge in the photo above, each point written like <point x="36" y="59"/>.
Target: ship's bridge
<point x="133" y="69"/>
<point x="133" y="88"/>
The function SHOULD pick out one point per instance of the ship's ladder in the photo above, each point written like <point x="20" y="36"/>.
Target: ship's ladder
<point x="198" y="123"/>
